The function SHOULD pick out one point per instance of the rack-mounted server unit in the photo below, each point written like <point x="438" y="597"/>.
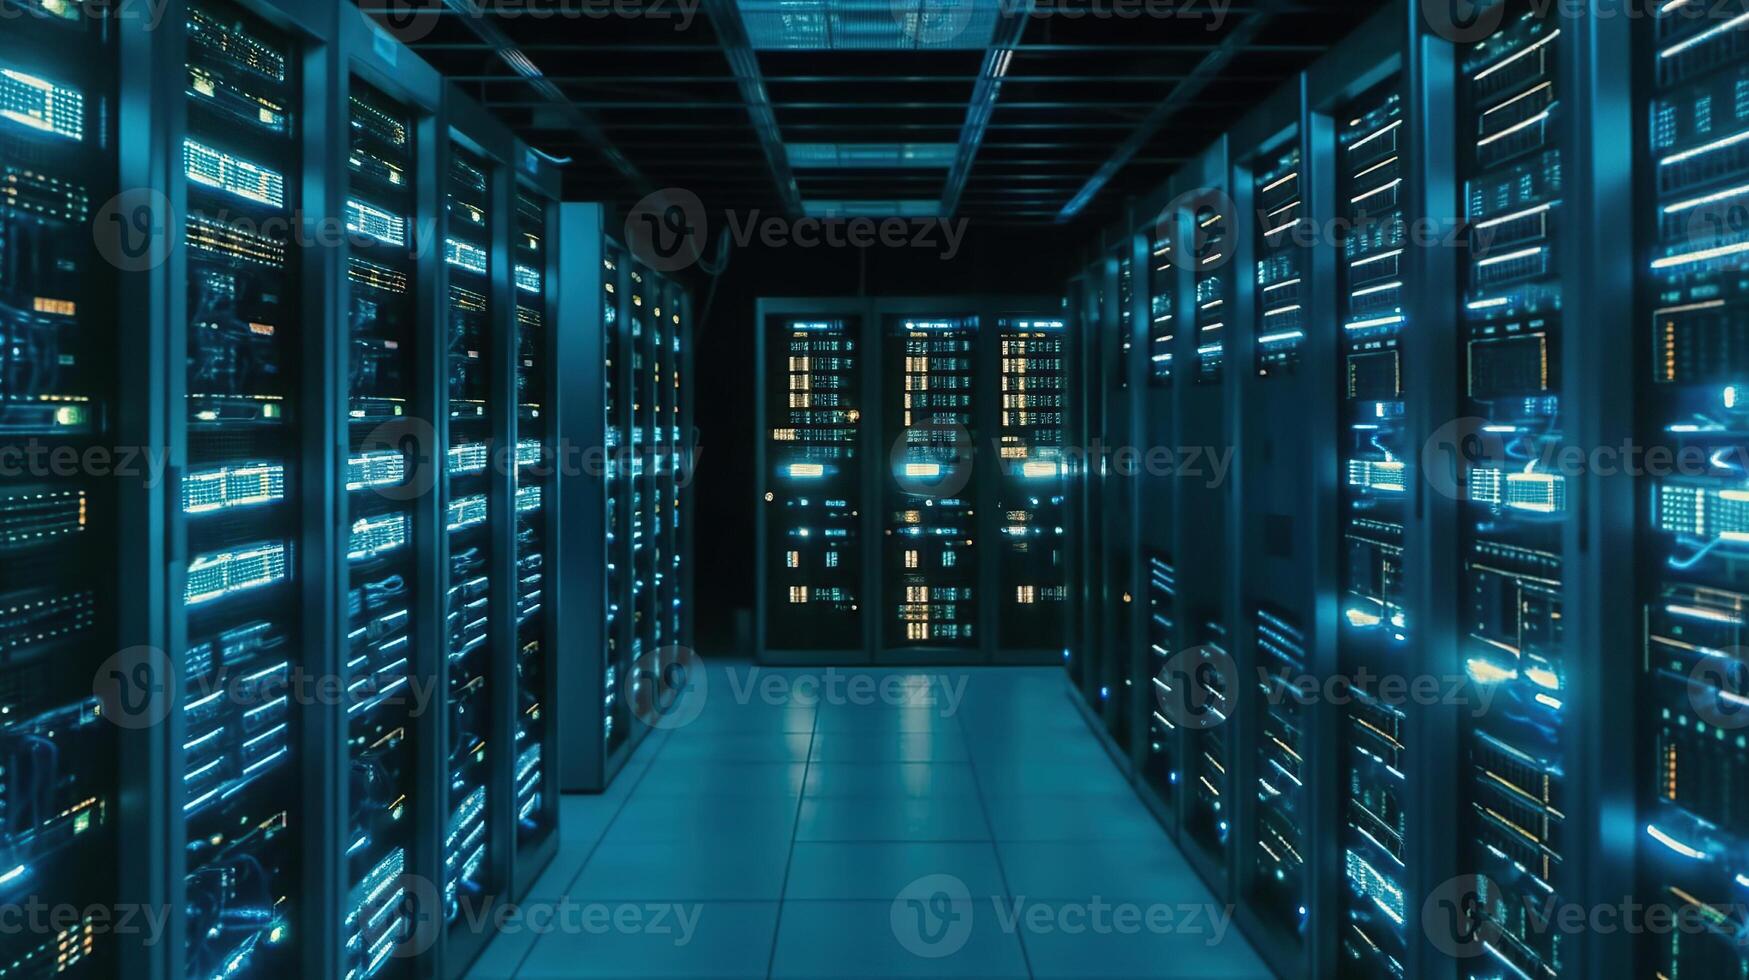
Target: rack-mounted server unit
<point x="911" y="457"/>
<point x="624" y="347"/>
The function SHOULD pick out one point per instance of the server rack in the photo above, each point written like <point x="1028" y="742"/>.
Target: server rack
<point x="615" y="634"/>
<point x="250" y="361"/>
<point x="1693" y="750"/>
<point x="883" y="510"/>
<point x="1301" y="602"/>
<point x="62" y="608"/>
<point x="391" y="590"/>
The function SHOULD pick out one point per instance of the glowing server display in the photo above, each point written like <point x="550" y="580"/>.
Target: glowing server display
<point x="1696" y="688"/>
<point x="1034" y="474"/>
<point x="614" y="665"/>
<point x="382" y="339"/>
<point x="1214" y="281"/>
<point x="814" y="532"/>
<point x="643" y="313"/>
<point x="1161" y="766"/>
<point x="240" y="800"/>
<point x="1162" y="313"/>
<point x="1280" y="284"/>
<point x="930" y="561"/>
<point x="57" y="581"/>
<point x="1118" y="546"/>
<point x="1511" y="515"/>
<point x="534" y="467"/>
<point x="469" y="524"/>
<point x="1279" y="725"/>
<point x="677" y="468"/>
<point x="1373" y="625"/>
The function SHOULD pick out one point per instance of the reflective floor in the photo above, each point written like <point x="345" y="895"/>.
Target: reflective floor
<point x="868" y="823"/>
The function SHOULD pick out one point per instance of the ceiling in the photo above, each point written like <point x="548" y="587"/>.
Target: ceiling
<point x="875" y="106"/>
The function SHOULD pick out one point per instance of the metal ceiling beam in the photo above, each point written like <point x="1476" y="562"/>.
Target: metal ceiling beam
<point x="1010" y="30"/>
<point x="725" y="17"/>
<point x="494" y="38"/>
<point x="1180" y="96"/>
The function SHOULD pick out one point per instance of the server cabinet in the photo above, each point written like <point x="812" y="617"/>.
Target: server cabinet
<point x="326" y="458"/>
<point x="253" y="536"/>
<point x="878" y="499"/>
<point x="615" y="635"/>
<point x="538" y="522"/>
<point x="931" y="545"/>
<point x="63" y="376"/>
<point x="1280" y="366"/>
<point x="391" y="589"/>
<point x="1120" y="463"/>
<point x="1511" y="517"/>
<point x="1158" y="766"/>
<point x="1076" y="657"/>
<point x="1032" y="494"/>
<point x="814" y="544"/>
<point x="1405" y="359"/>
<point x="1695" y="681"/>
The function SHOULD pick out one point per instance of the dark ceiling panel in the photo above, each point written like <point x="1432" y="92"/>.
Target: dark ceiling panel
<point x="653" y="79"/>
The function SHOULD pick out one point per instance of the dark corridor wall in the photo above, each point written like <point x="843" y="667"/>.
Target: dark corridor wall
<point x="990" y="260"/>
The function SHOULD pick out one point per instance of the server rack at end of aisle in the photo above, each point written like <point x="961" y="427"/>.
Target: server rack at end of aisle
<point x="875" y="521"/>
<point x="626" y="332"/>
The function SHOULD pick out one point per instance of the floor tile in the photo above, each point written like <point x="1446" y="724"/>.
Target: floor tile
<point x="1138" y="870"/>
<point x="1073" y="817"/>
<point x="914" y="780"/>
<point x="708" y="777"/>
<point x="870" y="939"/>
<point x="728" y="940"/>
<point x="744" y="868"/>
<point x="939" y="745"/>
<point x="881" y="870"/>
<point x="875" y="819"/>
<point x="763" y="746"/>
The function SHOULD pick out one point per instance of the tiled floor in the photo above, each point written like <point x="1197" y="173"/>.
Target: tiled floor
<point x="788" y="834"/>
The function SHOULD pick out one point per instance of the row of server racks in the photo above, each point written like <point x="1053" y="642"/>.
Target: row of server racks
<point x="1423" y="632"/>
<point x="913" y="477"/>
<point x="288" y="466"/>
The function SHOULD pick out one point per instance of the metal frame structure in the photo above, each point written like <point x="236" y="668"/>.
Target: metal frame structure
<point x="871" y="314"/>
<point x="1281" y="532"/>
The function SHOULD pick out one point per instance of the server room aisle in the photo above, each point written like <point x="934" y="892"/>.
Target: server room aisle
<point x="780" y="834"/>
